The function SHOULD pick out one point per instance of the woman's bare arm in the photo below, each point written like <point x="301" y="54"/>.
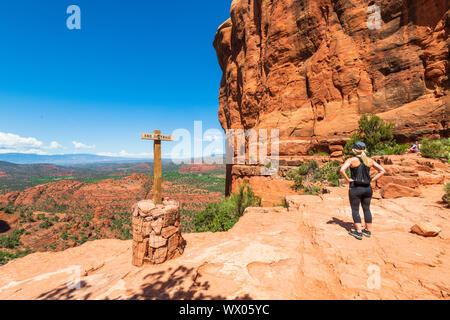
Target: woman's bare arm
<point x="380" y="170"/>
<point x="344" y="168"/>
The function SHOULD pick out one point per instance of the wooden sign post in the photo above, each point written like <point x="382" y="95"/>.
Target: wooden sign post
<point x="157" y="137"/>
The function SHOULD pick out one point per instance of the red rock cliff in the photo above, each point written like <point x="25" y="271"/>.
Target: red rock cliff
<point x="311" y="67"/>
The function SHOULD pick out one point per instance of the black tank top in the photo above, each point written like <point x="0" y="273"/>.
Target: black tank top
<point x="361" y="175"/>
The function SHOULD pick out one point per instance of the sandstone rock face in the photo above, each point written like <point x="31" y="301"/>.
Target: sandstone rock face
<point x="406" y="182"/>
<point x="303" y="252"/>
<point x="393" y="191"/>
<point x="311" y="68"/>
<point x="272" y="191"/>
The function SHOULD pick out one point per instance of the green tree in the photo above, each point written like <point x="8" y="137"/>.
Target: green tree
<point x="6" y="256"/>
<point x="244" y="199"/>
<point x="446" y="196"/>
<point x="436" y="148"/>
<point x="12" y="241"/>
<point x="377" y="135"/>
<point x="223" y="215"/>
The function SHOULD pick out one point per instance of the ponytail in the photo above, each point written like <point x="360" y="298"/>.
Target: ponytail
<point x="364" y="158"/>
<point x="362" y="154"/>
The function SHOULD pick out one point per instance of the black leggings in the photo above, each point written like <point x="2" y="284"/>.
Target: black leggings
<point x="361" y="195"/>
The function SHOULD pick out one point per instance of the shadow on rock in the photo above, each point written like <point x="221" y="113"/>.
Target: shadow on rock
<point x="346" y="225"/>
<point x="177" y="284"/>
<point x="4" y="226"/>
<point x="63" y="292"/>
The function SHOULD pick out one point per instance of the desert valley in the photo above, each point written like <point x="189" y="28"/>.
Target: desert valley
<point x="81" y="204"/>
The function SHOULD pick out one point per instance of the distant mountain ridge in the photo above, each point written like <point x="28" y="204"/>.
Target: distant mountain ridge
<point x="76" y="159"/>
<point x="63" y="159"/>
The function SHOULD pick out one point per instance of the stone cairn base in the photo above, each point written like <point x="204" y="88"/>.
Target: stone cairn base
<point x="156" y="232"/>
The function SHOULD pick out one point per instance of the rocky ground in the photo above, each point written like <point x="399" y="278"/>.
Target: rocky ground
<point x="303" y="252"/>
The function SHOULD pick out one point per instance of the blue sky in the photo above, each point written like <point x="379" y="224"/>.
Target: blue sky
<point x="133" y="67"/>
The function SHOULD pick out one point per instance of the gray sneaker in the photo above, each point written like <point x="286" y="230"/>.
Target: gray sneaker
<point x="367" y="233"/>
<point x="356" y="234"/>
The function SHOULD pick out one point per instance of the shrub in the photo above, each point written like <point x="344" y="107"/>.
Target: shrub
<point x="330" y="172"/>
<point x="244" y="199"/>
<point x="385" y="149"/>
<point x="436" y="148"/>
<point x="6" y="256"/>
<point x="306" y="172"/>
<point x="377" y="135"/>
<point x="220" y="216"/>
<point x="64" y="235"/>
<point x="446" y="196"/>
<point x="12" y="241"/>
<point x="309" y="173"/>
<point x="27" y="216"/>
<point x="46" y="224"/>
<point x="8" y="209"/>
<point x="313" y="190"/>
<point x="121" y="223"/>
<point x="223" y="215"/>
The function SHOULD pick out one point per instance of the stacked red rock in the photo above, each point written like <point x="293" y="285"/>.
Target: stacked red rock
<point x="156" y="232"/>
<point x="405" y="174"/>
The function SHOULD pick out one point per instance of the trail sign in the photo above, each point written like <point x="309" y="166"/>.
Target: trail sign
<point x="157" y="137"/>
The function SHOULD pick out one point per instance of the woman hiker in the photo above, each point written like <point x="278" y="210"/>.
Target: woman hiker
<point x="360" y="189"/>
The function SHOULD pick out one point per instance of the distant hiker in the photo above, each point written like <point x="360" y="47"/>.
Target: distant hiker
<point x="360" y="189"/>
<point x="415" y="148"/>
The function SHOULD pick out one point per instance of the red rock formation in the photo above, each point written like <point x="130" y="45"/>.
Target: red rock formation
<point x="6" y="199"/>
<point x="311" y="68"/>
<point x="77" y="196"/>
